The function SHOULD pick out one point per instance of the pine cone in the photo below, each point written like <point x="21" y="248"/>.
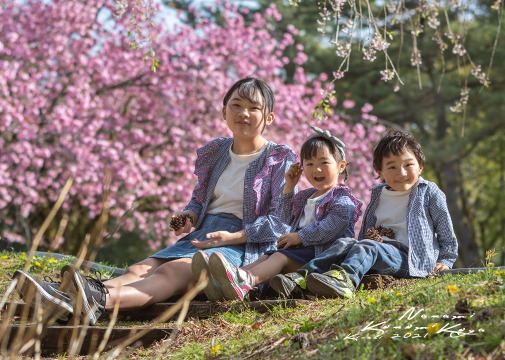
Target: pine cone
<point x="387" y="232"/>
<point x="178" y="221"/>
<point x="373" y="234"/>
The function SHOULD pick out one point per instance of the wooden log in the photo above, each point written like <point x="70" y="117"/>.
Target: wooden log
<point x="197" y="309"/>
<point x="468" y="270"/>
<point x="204" y="309"/>
<point x="56" y="339"/>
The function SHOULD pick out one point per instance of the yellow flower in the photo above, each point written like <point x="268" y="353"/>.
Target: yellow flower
<point x="398" y="293"/>
<point x="5" y="257"/>
<point x="452" y="289"/>
<point x="23" y="254"/>
<point x="37" y="263"/>
<point x="371" y="300"/>
<point x="216" y="350"/>
<point x="52" y="260"/>
<point x="433" y="328"/>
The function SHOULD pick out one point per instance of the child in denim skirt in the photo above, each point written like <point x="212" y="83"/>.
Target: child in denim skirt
<point x="406" y="231"/>
<point x="318" y="216"/>
<point x="232" y="210"/>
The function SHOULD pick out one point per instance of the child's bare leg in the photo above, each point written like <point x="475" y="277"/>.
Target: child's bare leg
<point x="277" y="263"/>
<point x="257" y="262"/>
<point x="172" y="278"/>
<point x="136" y="272"/>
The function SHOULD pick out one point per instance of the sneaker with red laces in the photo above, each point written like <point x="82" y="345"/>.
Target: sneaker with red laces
<point x="88" y="294"/>
<point x="233" y="286"/>
<point x="199" y="263"/>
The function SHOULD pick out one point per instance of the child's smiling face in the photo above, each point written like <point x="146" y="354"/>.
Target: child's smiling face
<point x="245" y="118"/>
<point x="400" y="172"/>
<point x="322" y="171"/>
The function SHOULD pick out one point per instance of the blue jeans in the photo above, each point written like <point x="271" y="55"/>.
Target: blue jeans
<point x="335" y="254"/>
<point x="359" y="257"/>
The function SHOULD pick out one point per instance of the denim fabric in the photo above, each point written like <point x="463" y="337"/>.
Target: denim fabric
<point x="360" y="257"/>
<point x="429" y="227"/>
<point x="185" y="249"/>
<point x="263" y="183"/>
<point x="379" y="258"/>
<point x="302" y="255"/>
<point x="335" y="254"/>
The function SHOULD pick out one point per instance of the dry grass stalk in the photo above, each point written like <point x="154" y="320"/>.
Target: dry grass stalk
<point x="108" y="332"/>
<point x="183" y="302"/>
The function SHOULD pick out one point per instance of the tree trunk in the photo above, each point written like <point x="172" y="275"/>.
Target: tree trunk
<point x="468" y="249"/>
<point x="453" y="189"/>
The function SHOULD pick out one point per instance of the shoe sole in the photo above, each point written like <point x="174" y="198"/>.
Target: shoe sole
<point x="319" y="285"/>
<point x="30" y="286"/>
<point x="198" y="264"/>
<point x="279" y="285"/>
<point x="77" y="295"/>
<point x="221" y="274"/>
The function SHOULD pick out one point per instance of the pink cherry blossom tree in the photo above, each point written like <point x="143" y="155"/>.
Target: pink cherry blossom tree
<point x="77" y="101"/>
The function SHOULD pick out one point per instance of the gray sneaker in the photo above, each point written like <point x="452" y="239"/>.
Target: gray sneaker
<point x="288" y="285"/>
<point x="88" y="294"/>
<point x="51" y="297"/>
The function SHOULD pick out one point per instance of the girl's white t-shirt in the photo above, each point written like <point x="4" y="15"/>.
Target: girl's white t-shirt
<point x="392" y="213"/>
<point x="309" y="211"/>
<point x="228" y="194"/>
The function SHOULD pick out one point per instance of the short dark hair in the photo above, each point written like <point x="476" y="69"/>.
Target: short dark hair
<point x="314" y="146"/>
<point x="248" y="88"/>
<point x="395" y="142"/>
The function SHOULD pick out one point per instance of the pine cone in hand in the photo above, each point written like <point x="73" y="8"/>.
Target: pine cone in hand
<point x="387" y="232"/>
<point x="373" y="234"/>
<point x="179" y="221"/>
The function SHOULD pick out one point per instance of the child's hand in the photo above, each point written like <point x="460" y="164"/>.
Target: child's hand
<point x="287" y="240"/>
<point x="292" y="177"/>
<point x="192" y="219"/>
<point x="440" y="267"/>
<point x="220" y="238"/>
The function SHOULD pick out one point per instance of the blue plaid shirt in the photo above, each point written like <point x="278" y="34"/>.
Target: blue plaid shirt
<point x="336" y="215"/>
<point x="429" y="227"/>
<point x="263" y="184"/>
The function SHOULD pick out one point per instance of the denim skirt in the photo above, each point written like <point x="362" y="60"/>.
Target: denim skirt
<point x="302" y="254"/>
<point x="183" y="248"/>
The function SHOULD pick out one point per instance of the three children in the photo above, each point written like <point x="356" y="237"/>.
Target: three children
<point x="241" y="182"/>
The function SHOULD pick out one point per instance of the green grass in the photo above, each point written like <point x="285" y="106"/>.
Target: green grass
<point x="416" y="319"/>
<point x="450" y="317"/>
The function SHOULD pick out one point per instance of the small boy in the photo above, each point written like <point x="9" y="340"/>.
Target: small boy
<point x="407" y="217"/>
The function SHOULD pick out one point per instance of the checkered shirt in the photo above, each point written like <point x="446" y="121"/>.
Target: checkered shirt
<point x="429" y="227"/>
<point x="263" y="184"/>
<point x="336" y="215"/>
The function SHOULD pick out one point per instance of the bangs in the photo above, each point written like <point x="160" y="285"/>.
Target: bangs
<point x="311" y="148"/>
<point x="251" y="93"/>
